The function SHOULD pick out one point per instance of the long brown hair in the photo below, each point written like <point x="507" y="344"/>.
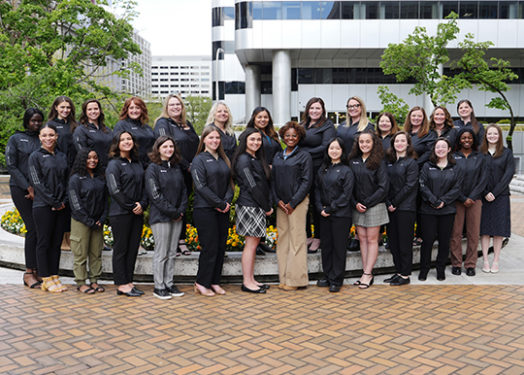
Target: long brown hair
<point x="114" y="150"/>
<point x="269" y="130"/>
<point x="83" y="117"/>
<point x="391" y="153"/>
<point x="394" y="126"/>
<point x="474" y="122"/>
<point x="448" y="122"/>
<point x="377" y="152"/>
<point x="53" y="113"/>
<point x="433" y="157"/>
<point x="154" y="155"/>
<point x="306" y="120"/>
<point x="144" y="117"/>
<point x="484" y="147"/>
<point x="201" y="146"/>
<point x="424" y="127"/>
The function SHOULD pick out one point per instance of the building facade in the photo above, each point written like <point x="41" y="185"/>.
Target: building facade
<point x="289" y="51"/>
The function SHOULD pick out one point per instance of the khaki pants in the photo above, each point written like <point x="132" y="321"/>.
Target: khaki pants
<point x="472" y="215"/>
<point x="291" y="246"/>
<point x="86" y="243"/>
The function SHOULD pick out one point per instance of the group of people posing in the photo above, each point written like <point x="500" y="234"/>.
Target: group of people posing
<point x="69" y="176"/>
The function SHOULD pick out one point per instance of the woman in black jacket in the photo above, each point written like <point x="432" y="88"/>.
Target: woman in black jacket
<point x="211" y="173"/>
<point x="356" y="121"/>
<point x="167" y="193"/>
<point x="48" y="172"/>
<point x="369" y="197"/>
<point x="386" y="128"/>
<point x="469" y="203"/>
<point x="332" y="199"/>
<point x="62" y="115"/>
<point x="440" y="181"/>
<point x="88" y="200"/>
<point x="467" y="119"/>
<point x="254" y="202"/>
<point x="441" y="123"/>
<point x="133" y="119"/>
<point x="291" y="178"/>
<point x="402" y="205"/>
<point x="496" y="210"/>
<point x="125" y="182"/>
<point x="422" y="137"/>
<point x="319" y="131"/>
<point x="19" y="147"/>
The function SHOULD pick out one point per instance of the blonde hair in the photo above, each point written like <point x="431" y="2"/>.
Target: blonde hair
<point x="228" y="126"/>
<point x="364" y="121"/>
<point x="164" y="114"/>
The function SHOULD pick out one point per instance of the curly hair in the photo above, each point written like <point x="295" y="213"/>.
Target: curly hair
<point x="80" y="164"/>
<point x="377" y="152"/>
<point x="144" y="117"/>
<point x="301" y="132"/>
<point x="114" y="150"/>
<point x="474" y="145"/>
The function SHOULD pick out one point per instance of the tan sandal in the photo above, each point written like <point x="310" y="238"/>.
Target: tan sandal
<point x="57" y="281"/>
<point x="48" y="285"/>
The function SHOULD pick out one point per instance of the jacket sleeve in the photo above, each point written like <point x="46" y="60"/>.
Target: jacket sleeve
<point x="115" y="188"/>
<point x="156" y="196"/>
<point x="425" y="191"/>
<point x="319" y="187"/>
<point x="39" y="183"/>
<point x="476" y="193"/>
<point x="273" y="187"/>
<point x="344" y="198"/>
<point x="248" y="181"/>
<point x="199" y="175"/>
<point x="382" y="182"/>
<point x="327" y="134"/>
<point x="453" y="193"/>
<point x="183" y="203"/>
<point x="102" y="218"/>
<point x="77" y="210"/>
<point x="80" y="138"/>
<point x="305" y="180"/>
<point x="11" y="160"/>
<point x="509" y="171"/>
<point x="161" y="128"/>
<point x="410" y="186"/>
<point x="118" y="127"/>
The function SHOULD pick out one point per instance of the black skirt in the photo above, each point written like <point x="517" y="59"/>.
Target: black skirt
<point x="496" y="217"/>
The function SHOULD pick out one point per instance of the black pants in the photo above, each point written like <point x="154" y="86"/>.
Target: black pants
<point x="188" y="181"/>
<point x="127" y="231"/>
<point x="335" y="231"/>
<point x="50" y="227"/>
<point x="212" y="227"/>
<point x="25" y="208"/>
<point x="400" y="239"/>
<point x="439" y="227"/>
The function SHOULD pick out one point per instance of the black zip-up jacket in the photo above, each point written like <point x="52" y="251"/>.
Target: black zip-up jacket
<point x="439" y="185"/>
<point x="125" y="182"/>
<point x="212" y="181"/>
<point x="144" y="136"/>
<point x="88" y="199"/>
<point x="291" y="178"/>
<point x="49" y="173"/>
<point x="403" y="184"/>
<point x="371" y="186"/>
<point x="271" y="147"/>
<point x="478" y="137"/>
<point x="386" y="142"/>
<point x="334" y="190"/>
<point x="186" y="140"/>
<point x="65" y="140"/>
<point x="94" y="139"/>
<point x="166" y="191"/>
<point x="423" y="146"/>
<point x="19" y="147"/>
<point x="474" y="178"/>
<point x="316" y="140"/>
<point x="500" y="172"/>
<point x="228" y="142"/>
<point x="450" y="134"/>
<point x="253" y="184"/>
<point x="348" y="133"/>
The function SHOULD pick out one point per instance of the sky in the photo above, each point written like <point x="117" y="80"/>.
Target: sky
<point x="175" y="27"/>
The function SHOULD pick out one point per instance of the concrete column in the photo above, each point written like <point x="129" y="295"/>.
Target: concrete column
<point x="252" y="89"/>
<point x="281" y="87"/>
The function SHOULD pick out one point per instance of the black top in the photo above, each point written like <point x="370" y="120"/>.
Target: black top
<point x="500" y="171"/>
<point x="478" y="137"/>
<point x="334" y="190"/>
<point x="19" y="146"/>
<point x="125" y="182"/>
<point x="371" y="186"/>
<point x="211" y="178"/>
<point x="144" y="136"/>
<point x="316" y="140"/>
<point x="348" y="133"/>
<point x="228" y="142"/>
<point x="291" y="176"/>
<point x="474" y="176"/>
<point x="49" y="173"/>
<point x="271" y="147"/>
<point x="65" y="139"/>
<point x="423" y="146"/>
<point x="252" y="181"/>
<point x="186" y="139"/>
<point x="439" y="185"/>
<point x="386" y="142"/>
<point x="166" y="191"/>
<point x="95" y="139"/>
<point x="450" y="134"/>
<point x="88" y="199"/>
<point x="403" y="184"/>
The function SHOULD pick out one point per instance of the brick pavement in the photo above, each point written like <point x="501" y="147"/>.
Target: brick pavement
<point x="383" y="330"/>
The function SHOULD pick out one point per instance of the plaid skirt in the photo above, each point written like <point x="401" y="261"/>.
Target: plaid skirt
<point x="251" y="221"/>
<point x="373" y="217"/>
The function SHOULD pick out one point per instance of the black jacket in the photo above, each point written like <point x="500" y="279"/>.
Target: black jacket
<point x="65" y="139"/>
<point x="228" y="142"/>
<point x="423" y="146"/>
<point x="386" y="142"/>
<point x="316" y="140"/>
<point x="212" y="181"/>
<point x="166" y="191"/>
<point x="439" y="185"/>
<point x="291" y="178"/>
<point x="371" y="186"/>
<point x="125" y="182"/>
<point x="144" y="136"/>
<point x="19" y="147"/>
<point x="271" y="147"/>
<point x="478" y="137"/>
<point x="450" y="134"/>
<point x="88" y="199"/>
<point x="500" y="171"/>
<point x="49" y="173"/>
<point x="95" y="139"/>
<point x="334" y="190"/>
<point x="403" y="184"/>
<point x="252" y="181"/>
<point x="348" y="133"/>
<point x="186" y="140"/>
<point x="474" y="177"/>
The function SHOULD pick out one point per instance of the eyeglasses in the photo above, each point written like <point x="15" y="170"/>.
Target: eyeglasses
<point x="353" y="106"/>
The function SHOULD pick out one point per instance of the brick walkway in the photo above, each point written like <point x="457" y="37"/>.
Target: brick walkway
<point x="384" y="330"/>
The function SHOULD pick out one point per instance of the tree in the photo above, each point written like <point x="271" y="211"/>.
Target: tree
<point x="393" y="104"/>
<point x="197" y="109"/>
<point x="52" y="48"/>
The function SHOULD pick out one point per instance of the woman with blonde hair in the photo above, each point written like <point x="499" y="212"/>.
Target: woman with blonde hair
<point x="422" y="137"/>
<point x="220" y="116"/>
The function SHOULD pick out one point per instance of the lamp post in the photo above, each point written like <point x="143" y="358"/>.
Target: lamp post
<point x="217" y="92"/>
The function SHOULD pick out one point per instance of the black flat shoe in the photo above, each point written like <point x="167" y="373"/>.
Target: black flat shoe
<point x="334" y="288"/>
<point x="400" y="281"/>
<point x="456" y="271"/>
<point x="258" y="291"/>
<point x="323" y="283"/>
<point x="266" y="248"/>
<point x="131" y="293"/>
<point x="470" y="271"/>
<point x="423" y="275"/>
<point x="441" y="275"/>
<point x="138" y="291"/>
<point x="392" y="278"/>
<point x="265" y="286"/>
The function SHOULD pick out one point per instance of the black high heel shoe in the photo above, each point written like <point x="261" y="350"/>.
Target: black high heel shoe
<point x="364" y="285"/>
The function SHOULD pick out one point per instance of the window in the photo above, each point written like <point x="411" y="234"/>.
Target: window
<point x="409" y="9"/>
<point x="429" y="9"/>
<point x="369" y="9"/>
<point x="468" y="9"/>
<point x="229" y="13"/>
<point x="235" y="87"/>
<point x="448" y="7"/>
<point x="217" y="17"/>
<point x="391" y="9"/>
<point x="488" y="9"/>
<point x="291" y="10"/>
<point x="272" y="10"/>
<point x="349" y="10"/>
